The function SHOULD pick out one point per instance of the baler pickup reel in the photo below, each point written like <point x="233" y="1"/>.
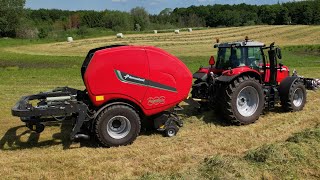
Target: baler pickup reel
<point x="56" y="105"/>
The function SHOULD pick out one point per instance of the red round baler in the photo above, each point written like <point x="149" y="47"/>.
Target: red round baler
<point x="126" y="87"/>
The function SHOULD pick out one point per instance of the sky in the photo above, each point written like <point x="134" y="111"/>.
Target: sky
<point x="152" y="6"/>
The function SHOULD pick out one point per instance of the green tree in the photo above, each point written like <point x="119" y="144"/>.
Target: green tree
<point x="11" y="12"/>
<point x="307" y="14"/>
<point x="282" y="16"/>
<point x="166" y="12"/>
<point x="92" y="19"/>
<point x="268" y="14"/>
<point x="231" y="18"/>
<point x="316" y="12"/>
<point x="195" y="21"/>
<point x="118" y="21"/>
<point x="140" y="16"/>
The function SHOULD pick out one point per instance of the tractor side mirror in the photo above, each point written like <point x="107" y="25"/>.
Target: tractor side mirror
<point x="212" y="61"/>
<point x="279" y="54"/>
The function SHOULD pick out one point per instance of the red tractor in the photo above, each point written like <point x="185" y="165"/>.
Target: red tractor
<point x="247" y="79"/>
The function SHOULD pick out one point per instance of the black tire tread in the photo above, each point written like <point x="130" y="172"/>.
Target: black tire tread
<point x="286" y="102"/>
<point x="99" y="120"/>
<point x="225" y="104"/>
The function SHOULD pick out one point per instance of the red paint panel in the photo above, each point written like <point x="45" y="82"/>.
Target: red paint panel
<point x="282" y="74"/>
<point x="239" y="70"/>
<point x="101" y="78"/>
<point x="168" y="80"/>
<point x="167" y="70"/>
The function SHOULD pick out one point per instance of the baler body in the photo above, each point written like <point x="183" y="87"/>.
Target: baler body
<point x="146" y="76"/>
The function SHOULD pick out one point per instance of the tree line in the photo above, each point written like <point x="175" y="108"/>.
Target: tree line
<point x="16" y="21"/>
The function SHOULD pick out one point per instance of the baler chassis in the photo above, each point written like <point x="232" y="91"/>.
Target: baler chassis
<point x="64" y="102"/>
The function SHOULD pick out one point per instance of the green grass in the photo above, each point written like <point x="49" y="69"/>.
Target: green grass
<point x="10" y="42"/>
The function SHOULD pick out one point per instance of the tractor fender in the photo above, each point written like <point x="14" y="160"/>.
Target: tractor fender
<point x="285" y="85"/>
<point x="228" y="79"/>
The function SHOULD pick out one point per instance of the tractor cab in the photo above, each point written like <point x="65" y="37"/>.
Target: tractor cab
<point x="239" y="54"/>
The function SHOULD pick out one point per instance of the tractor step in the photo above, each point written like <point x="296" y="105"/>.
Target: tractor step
<point x="178" y="108"/>
<point x="193" y="102"/>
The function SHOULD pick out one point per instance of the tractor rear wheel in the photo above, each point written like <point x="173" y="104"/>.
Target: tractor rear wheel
<point x="242" y="100"/>
<point x="117" y="125"/>
<point x="296" y="98"/>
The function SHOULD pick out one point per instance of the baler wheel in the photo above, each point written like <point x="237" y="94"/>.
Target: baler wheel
<point x="242" y="101"/>
<point x="295" y="100"/>
<point x="171" y="131"/>
<point x="117" y="125"/>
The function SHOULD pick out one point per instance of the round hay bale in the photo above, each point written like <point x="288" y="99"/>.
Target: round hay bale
<point x="177" y="31"/>
<point x="189" y="29"/>
<point x="120" y="35"/>
<point x="155" y="31"/>
<point x="70" y="39"/>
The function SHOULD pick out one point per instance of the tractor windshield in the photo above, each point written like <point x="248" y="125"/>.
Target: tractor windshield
<point x="232" y="57"/>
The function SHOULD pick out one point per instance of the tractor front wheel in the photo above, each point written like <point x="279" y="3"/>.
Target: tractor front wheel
<point x="117" y="125"/>
<point x="295" y="99"/>
<point x="242" y="101"/>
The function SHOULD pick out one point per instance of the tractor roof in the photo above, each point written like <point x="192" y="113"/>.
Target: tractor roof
<point x="244" y="43"/>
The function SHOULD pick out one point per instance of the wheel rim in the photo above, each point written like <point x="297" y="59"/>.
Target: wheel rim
<point x="298" y="97"/>
<point x="118" y="127"/>
<point x="248" y="101"/>
<point x="171" y="132"/>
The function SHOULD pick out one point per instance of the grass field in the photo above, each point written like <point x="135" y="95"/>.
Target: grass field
<point x="278" y="146"/>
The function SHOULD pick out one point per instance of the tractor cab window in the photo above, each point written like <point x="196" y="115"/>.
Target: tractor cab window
<point x="229" y="57"/>
<point x="232" y="57"/>
<point x="254" y="57"/>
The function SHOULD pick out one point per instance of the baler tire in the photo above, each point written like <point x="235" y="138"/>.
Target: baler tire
<point x="171" y="131"/>
<point x="111" y="139"/>
<point x="229" y="99"/>
<point x="287" y="102"/>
